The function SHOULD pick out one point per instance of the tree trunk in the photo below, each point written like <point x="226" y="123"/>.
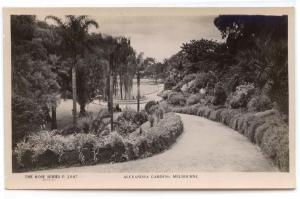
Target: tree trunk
<point x="53" y="118"/>
<point x="82" y="110"/>
<point x="138" y="91"/>
<point x="74" y="95"/>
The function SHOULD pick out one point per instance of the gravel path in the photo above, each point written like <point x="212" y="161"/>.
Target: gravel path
<point x="204" y="146"/>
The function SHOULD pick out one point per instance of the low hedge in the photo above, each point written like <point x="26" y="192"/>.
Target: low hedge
<point x="49" y="149"/>
<point x="266" y="129"/>
<point x="147" y="140"/>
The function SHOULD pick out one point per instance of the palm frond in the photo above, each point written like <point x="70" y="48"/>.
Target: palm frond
<point x="90" y="23"/>
<point x="57" y="20"/>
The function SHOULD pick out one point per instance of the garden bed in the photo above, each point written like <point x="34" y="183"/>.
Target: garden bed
<point x="266" y="129"/>
<point x="51" y="150"/>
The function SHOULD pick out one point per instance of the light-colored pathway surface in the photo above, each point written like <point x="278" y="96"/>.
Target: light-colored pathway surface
<point x="204" y="146"/>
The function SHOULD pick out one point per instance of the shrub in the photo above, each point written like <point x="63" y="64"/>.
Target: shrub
<point x="165" y="106"/>
<point x="187" y="82"/>
<point x="155" y="139"/>
<point x="275" y="144"/>
<point x="241" y="96"/>
<point x="128" y="115"/>
<point x="192" y="110"/>
<point x="202" y="80"/>
<point x="90" y="124"/>
<point x="194" y="99"/>
<point x="140" y="117"/>
<point x="176" y="98"/>
<point x="164" y="94"/>
<point x="149" y="105"/>
<point x="188" y="78"/>
<point x="215" y="115"/>
<point x="259" y="103"/>
<point x="129" y="120"/>
<point x="219" y="95"/>
<point x="125" y="127"/>
<point x="151" y="120"/>
<point x="153" y="110"/>
<point x="169" y="83"/>
<point x="178" y="86"/>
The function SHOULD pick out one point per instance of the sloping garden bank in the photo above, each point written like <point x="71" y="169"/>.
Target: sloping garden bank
<point x="51" y="150"/>
<point x="266" y="129"/>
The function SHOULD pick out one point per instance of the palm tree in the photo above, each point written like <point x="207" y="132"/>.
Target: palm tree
<point x="74" y="31"/>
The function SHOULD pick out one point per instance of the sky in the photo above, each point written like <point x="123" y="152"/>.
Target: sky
<point x="158" y="36"/>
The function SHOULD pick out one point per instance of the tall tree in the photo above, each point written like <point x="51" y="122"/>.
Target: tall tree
<point x="74" y="31"/>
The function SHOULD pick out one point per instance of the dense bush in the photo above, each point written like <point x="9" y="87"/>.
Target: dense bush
<point x="259" y="103"/>
<point x="90" y="124"/>
<point x="188" y="78"/>
<point x="185" y="84"/>
<point x="26" y="117"/>
<point x="192" y="110"/>
<point x="164" y="94"/>
<point x="165" y="106"/>
<point x="219" y="95"/>
<point x="48" y="149"/>
<point x="202" y="80"/>
<point x="156" y="139"/>
<point x="176" y="98"/>
<point x="169" y="83"/>
<point x="242" y="95"/>
<point x="194" y="99"/>
<point x="149" y="105"/>
<point x="130" y="120"/>
<point x="125" y="127"/>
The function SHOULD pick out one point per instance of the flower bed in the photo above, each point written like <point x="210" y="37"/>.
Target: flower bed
<point x="49" y="149"/>
<point x="266" y="129"/>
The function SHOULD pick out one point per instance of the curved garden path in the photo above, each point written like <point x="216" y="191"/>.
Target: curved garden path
<point x="204" y="146"/>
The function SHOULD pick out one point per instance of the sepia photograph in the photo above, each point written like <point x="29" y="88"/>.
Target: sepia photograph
<point x="149" y="93"/>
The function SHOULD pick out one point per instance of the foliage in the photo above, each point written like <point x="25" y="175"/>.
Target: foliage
<point x="35" y="83"/>
<point x="26" y="117"/>
<point x="176" y="98"/>
<point x="164" y="94"/>
<point x="241" y="96"/>
<point x="149" y="105"/>
<point x="130" y="120"/>
<point x="153" y="140"/>
<point x="259" y="45"/>
<point x="219" y="95"/>
<point x="126" y="127"/>
<point x="203" y="80"/>
<point x="259" y="103"/>
<point x="194" y="99"/>
<point x="169" y="83"/>
<point x="90" y="149"/>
